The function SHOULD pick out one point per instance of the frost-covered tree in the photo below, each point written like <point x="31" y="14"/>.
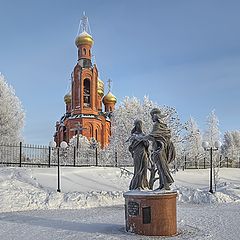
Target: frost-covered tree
<point x="231" y="146"/>
<point x="11" y="114"/>
<point x="228" y="147"/>
<point x="236" y="157"/>
<point x="211" y="135"/>
<point x="193" y="144"/>
<point x="123" y="121"/>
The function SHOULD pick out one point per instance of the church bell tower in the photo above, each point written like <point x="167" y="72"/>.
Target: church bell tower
<point x="85" y="75"/>
<point x="84" y="101"/>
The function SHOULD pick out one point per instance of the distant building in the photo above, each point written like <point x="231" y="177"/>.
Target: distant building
<point x="84" y="113"/>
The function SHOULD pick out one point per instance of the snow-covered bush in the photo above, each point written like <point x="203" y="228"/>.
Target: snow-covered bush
<point x="80" y="140"/>
<point x="78" y="151"/>
<point x="108" y="157"/>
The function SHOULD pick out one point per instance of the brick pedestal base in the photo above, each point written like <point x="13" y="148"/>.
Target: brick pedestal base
<point x="151" y="213"/>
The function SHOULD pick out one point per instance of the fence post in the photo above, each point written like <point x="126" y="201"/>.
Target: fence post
<point x="74" y="156"/>
<point x="204" y="163"/>
<point x="20" y="155"/>
<point x="116" y="163"/>
<point x="227" y="162"/>
<point x="96" y="156"/>
<point x="185" y="162"/>
<point x="49" y="156"/>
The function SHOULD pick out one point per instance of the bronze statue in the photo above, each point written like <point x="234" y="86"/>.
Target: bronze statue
<point x="163" y="149"/>
<point x="139" y="150"/>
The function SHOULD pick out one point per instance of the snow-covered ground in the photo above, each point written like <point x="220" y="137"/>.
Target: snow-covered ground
<point x="91" y="205"/>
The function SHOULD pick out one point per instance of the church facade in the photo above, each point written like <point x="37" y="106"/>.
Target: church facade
<point x="84" y="103"/>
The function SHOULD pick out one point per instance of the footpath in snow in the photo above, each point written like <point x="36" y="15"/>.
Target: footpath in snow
<point x="91" y="205"/>
<point x="205" y="222"/>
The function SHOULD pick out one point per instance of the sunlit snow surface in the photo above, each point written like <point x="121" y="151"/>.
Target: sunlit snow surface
<point x="91" y="205"/>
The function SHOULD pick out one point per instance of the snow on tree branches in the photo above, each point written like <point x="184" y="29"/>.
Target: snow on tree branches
<point x="82" y="142"/>
<point x="193" y="144"/>
<point x="11" y="114"/>
<point x="131" y="109"/>
<point x="231" y="147"/>
<point x="212" y="133"/>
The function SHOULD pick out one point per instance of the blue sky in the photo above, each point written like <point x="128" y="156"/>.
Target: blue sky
<point x="184" y="54"/>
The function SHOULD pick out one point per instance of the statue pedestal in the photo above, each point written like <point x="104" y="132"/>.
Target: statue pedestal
<point x="151" y="213"/>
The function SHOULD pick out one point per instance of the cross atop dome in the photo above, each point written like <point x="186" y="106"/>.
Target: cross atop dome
<point x="84" y="25"/>
<point x="109" y="100"/>
<point x="84" y="32"/>
<point x="109" y="84"/>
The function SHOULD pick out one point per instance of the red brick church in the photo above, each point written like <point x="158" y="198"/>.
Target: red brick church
<point x="84" y="103"/>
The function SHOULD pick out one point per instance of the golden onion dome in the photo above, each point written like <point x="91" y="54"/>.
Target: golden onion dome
<point x="109" y="98"/>
<point x="68" y="98"/>
<point x="84" y="38"/>
<point x="100" y="87"/>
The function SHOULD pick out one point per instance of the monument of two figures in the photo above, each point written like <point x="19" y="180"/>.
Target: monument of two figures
<point x="151" y="212"/>
<point x="163" y="152"/>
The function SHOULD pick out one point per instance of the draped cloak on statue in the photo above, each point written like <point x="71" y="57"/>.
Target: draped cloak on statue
<point x="163" y="152"/>
<point x="139" y="151"/>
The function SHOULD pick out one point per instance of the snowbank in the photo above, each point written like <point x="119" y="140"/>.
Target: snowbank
<point x="228" y="194"/>
<point x="28" y="189"/>
<point x="193" y="186"/>
<point x="19" y="190"/>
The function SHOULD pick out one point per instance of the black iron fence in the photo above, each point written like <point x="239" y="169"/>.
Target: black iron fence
<point x="43" y="156"/>
<point x="222" y="162"/>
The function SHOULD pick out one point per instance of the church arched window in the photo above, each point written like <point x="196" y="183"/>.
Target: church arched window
<point x="86" y="93"/>
<point x="84" y="51"/>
